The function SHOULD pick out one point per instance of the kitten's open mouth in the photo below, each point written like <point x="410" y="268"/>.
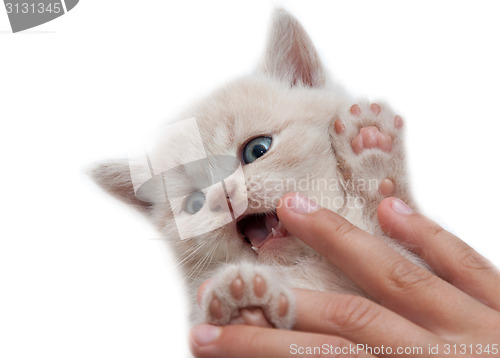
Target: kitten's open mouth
<point x="258" y="228"/>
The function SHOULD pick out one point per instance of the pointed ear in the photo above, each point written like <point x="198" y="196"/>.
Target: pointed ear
<point x="114" y="177"/>
<point x="290" y="55"/>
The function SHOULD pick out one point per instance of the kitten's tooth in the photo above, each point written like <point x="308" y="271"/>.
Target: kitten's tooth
<point x="275" y="233"/>
<point x="280" y="226"/>
<point x="256" y="249"/>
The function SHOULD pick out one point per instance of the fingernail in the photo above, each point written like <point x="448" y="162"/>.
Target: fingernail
<point x="301" y="204"/>
<point x="204" y="334"/>
<point x="400" y="207"/>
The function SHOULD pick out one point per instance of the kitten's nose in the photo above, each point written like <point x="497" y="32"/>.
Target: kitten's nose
<point x="219" y="196"/>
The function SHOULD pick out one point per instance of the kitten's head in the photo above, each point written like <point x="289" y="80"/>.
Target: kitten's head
<point x="264" y="135"/>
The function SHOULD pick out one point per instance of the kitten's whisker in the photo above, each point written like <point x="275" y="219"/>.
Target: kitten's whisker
<point x="202" y="263"/>
<point x="206" y="259"/>
<point x="193" y="269"/>
<point x="186" y="256"/>
<point x="189" y="255"/>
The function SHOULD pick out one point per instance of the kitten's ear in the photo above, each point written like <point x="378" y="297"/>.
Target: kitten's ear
<point x="290" y="55"/>
<point x="114" y="177"/>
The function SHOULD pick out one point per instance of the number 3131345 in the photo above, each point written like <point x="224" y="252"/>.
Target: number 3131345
<point x="33" y="8"/>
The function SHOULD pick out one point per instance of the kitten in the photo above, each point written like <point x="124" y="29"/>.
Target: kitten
<point x="290" y="129"/>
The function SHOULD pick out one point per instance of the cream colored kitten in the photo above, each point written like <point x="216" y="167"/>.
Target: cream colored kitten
<point x="290" y="129"/>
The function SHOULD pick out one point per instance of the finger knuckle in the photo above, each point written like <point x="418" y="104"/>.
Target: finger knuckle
<point x="344" y="229"/>
<point x="254" y="339"/>
<point x="350" y="313"/>
<point x="470" y="262"/>
<point x="407" y="277"/>
<point x="435" y="231"/>
<point x="244" y="336"/>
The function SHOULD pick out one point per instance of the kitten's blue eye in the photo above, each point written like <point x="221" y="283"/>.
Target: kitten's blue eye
<point x="194" y="202"/>
<point x="255" y="149"/>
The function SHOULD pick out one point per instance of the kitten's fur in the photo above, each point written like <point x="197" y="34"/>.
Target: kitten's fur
<point x="291" y="98"/>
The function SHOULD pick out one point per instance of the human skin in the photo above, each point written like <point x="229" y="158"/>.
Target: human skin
<point x="411" y="307"/>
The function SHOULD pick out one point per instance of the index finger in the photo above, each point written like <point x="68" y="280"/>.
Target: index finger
<point x="383" y="273"/>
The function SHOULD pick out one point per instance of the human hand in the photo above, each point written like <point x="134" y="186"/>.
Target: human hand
<point x="455" y="313"/>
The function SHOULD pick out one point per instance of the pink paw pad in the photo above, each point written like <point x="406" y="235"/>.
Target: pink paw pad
<point x="375" y="108"/>
<point x="398" y="122"/>
<point x="371" y="137"/>
<point x="355" y="110"/>
<point x="387" y="187"/>
<point x="339" y="126"/>
<point x="251" y="315"/>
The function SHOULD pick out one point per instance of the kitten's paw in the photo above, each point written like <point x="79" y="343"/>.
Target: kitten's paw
<point x="371" y="127"/>
<point x="248" y="294"/>
<point x="367" y="139"/>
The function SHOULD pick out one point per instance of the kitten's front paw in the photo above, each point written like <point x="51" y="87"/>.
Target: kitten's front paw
<point x="367" y="139"/>
<point x="248" y="294"/>
<point x="375" y="129"/>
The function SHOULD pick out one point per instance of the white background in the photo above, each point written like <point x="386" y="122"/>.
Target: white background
<point x="83" y="276"/>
